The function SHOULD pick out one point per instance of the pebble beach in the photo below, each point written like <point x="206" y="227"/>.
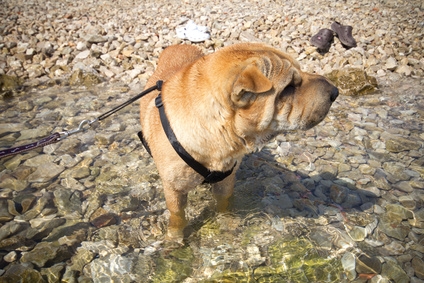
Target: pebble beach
<point x="342" y="202"/>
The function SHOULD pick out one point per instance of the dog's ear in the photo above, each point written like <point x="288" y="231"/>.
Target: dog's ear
<point x="250" y="82"/>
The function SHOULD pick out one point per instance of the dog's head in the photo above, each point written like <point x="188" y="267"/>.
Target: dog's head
<point x="270" y="94"/>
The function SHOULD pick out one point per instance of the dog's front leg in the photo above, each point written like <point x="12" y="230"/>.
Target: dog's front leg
<point x="222" y="191"/>
<point x="176" y="202"/>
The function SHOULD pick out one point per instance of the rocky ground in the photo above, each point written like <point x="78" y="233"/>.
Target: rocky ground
<point x="343" y="202"/>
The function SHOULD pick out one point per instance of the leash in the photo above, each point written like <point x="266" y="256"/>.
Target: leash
<point x="84" y="125"/>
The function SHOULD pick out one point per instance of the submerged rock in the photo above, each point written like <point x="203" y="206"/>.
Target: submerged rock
<point x="81" y="78"/>
<point x="53" y="273"/>
<point x="8" y="85"/>
<point x="298" y="260"/>
<point x="348" y="263"/>
<point x="368" y="264"/>
<point x="391" y="224"/>
<point x="22" y="273"/>
<point x="42" y="253"/>
<point x="394" y="272"/>
<point x="399" y="144"/>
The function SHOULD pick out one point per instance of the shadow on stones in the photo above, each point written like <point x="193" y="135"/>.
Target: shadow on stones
<point x="267" y="188"/>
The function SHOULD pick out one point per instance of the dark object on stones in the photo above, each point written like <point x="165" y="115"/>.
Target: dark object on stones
<point x="323" y="39"/>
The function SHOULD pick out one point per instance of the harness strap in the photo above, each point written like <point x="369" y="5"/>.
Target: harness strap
<point x="144" y="142"/>
<point x="210" y="176"/>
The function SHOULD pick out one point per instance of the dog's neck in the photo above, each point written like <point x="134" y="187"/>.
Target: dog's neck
<point x="211" y="131"/>
<point x="210" y="176"/>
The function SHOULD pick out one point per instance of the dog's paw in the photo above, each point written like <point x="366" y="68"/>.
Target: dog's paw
<point x="174" y="235"/>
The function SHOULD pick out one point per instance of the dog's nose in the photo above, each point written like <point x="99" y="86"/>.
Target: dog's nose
<point x="334" y="93"/>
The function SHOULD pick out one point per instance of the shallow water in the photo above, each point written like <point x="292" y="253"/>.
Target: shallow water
<point x="305" y="209"/>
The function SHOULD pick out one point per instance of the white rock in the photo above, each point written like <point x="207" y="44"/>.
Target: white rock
<point x="81" y="46"/>
<point x="348" y="263"/>
<point x="15" y="64"/>
<point x="134" y="73"/>
<point x="391" y="64"/>
<point x="11" y="256"/>
<point x="83" y="55"/>
<point x="404" y="69"/>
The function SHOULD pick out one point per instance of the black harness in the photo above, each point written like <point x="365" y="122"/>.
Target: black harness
<point x="209" y="176"/>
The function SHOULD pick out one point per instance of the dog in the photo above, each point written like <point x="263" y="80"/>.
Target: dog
<point x="216" y="108"/>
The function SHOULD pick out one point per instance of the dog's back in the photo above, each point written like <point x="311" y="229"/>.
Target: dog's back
<point x="172" y="59"/>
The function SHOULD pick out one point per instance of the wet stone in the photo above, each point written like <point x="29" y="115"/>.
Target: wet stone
<point x="399" y="144"/>
<point x="391" y="224"/>
<point x="357" y="233"/>
<point x="37" y="208"/>
<point x="394" y="248"/>
<point x="25" y="202"/>
<point x="396" y="170"/>
<point x="11" y="256"/>
<point x="419" y="215"/>
<point x="16" y="242"/>
<point x="404" y="186"/>
<point x="44" y="229"/>
<point x="408" y="202"/>
<point x="368" y="264"/>
<point x="104" y="220"/>
<point x="22" y="273"/>
<point x="418" y="266"/>
<point x="13" y="163"/>
<point x="69" y="146"/>
<point x="67" y="201"/>
<point x="67" y="160"/>
<point x="349" y="264"/>
<point x="352" y="200"/>
<point x="338" y="193"/>
<point x="371" y="192"/>
<point x="380" y="181"/>
<point x="34" y="134"/>
<point x="394" y="272"/>
<point x="399" y="210"/>
<point x="322" y="238"/>
<point x="13" y="184"/>
<point x="42" y="253"/>
<point x="45" y="172"/>
<point x="4" y="212"/>
<point x="72" y="184"/>
<point x="69" y="275"/>
<point x="81" y="259"/>
<point x="53" y="273"/>
<point x="379" y="279"/>
<point x="112" y="266"/>
<point x="418" y="247"/>
<point x="82" y="170"/>
<point x="8" y="84"/>
<point x="12" y="208"/>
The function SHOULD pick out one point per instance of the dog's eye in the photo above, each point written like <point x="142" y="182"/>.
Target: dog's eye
<point x="291" y="88"/>
<point x="288" y="90"/>
<point x="297" y="79"/>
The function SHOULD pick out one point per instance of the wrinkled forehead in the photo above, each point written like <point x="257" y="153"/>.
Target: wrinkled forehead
<point x="289" y="58"/>
<point x="279" y="65"/>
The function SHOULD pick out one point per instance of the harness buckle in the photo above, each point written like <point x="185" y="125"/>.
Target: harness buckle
<point x="158" y="101"/>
